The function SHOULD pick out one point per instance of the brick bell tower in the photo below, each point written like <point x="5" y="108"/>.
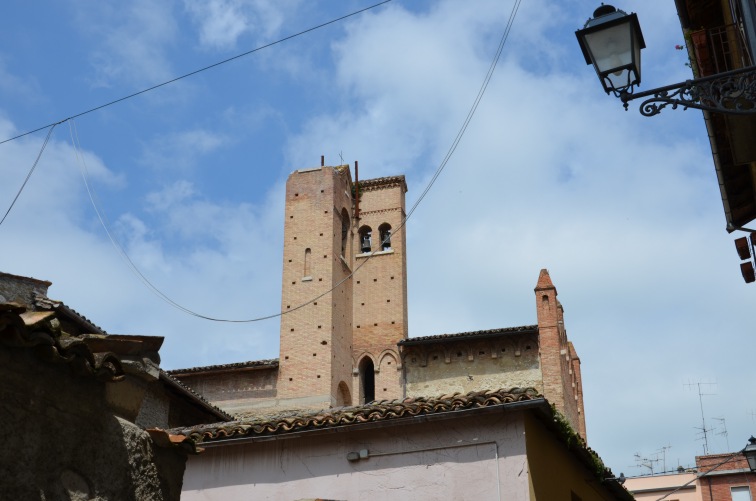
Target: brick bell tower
<point x="341" y="349"/>
<point x="380" y="289"/>
<point x="315" y="365"/>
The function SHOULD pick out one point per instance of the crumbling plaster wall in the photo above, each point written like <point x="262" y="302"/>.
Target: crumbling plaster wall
<point x="61" y="441"/>
<point x="462" y="367"/>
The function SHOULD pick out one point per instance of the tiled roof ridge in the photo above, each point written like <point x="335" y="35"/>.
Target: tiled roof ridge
<point x="462" y="335"/>
<point x="381" y="182"/>
<point x="220" y="367"/>
<point x="196" y="395"/>
<point x="40" y="332"/>
<point x="44" y="302"/>
<point x="376" y="411"/>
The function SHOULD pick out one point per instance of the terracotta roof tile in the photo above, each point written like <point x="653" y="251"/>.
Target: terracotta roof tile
<point x="251" y="364"/>
<point x="40" y="332"/>
<point x="382" y="182"/>
<point x="296" y="421"/>
<point x="45" y="303"/>
<point x="524" y="329"/>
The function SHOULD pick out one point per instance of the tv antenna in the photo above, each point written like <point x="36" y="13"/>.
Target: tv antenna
<point x="723" y="432"/>
<point x="704" y="430"/>
<point x="641" y="462"/>
<point x="663" y="452"/>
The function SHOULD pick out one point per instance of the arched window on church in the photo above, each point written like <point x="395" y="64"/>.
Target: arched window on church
<point x="307" y="272"/>
<point x="385" y="231"/>
<point x="366" y="235"/>
<point x="367" y="380"/>
<point x="344" y="232"/>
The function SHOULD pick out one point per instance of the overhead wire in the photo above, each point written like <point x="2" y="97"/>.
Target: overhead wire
<point x="176" y="79"/>
<point x="384" y="241"/>
<point x="31" y="171"/>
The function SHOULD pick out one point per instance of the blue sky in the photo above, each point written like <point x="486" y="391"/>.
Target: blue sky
<point x="623" y="210"/>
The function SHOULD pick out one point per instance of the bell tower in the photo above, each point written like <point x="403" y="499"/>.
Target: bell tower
<point x="315" y="365"/>
<point x="380" y="289"/>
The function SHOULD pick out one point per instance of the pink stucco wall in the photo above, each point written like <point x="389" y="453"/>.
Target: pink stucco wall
<point x="651" y="488"/>
<point x="465" y="458"/>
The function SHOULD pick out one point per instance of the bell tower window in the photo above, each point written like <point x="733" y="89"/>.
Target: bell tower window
<point x="366" y="236"/>
<point x="385" y="231"/>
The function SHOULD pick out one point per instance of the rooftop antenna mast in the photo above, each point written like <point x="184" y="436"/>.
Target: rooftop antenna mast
<point x="663" y="452"/>
<point x="704" y="430"/>
<point x="724" y="431"/>
<point x="641" y="462"/>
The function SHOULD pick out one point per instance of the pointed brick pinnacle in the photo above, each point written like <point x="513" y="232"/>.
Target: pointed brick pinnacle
<point x="544" y="281"/>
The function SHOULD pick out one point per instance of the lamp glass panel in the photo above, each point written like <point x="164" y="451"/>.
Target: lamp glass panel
<point x="611" y="47"/>
<point x="619" y="79"/>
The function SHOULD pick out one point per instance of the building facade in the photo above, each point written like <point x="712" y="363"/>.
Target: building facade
<point x="344" y="328"/>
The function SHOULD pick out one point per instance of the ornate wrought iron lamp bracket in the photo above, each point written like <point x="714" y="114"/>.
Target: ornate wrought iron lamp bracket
<point x="732" y="92"/>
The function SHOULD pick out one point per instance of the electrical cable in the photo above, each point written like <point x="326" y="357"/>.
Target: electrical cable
<point x="176" y="79"/>
<point x="34" y="166"/>
<point x="401" y="226"/>
<point x="697" y="477"/>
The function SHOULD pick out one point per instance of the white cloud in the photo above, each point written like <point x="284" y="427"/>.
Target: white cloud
<point x="222" y="22"/>
<point x="131" y="39"/>
<point x="182" y="150"/>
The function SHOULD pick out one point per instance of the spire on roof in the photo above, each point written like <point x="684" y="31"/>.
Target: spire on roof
<point x="544" y="281"/>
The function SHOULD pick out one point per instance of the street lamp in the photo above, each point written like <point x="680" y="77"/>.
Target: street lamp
<point x="612" y="41"/>
<point x="750" y="453"/>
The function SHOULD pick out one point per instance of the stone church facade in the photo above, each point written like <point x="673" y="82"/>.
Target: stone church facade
<point x="344" y="330"/>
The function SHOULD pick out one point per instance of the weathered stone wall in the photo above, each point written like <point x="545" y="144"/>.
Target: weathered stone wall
<point x="464" y="366"/>
<point x="235" y="391"/>
<point x="16" y="289"/>
<point x="61" y="441"/>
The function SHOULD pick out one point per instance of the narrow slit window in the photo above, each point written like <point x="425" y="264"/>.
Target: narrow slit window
<point x="307" y="272"/>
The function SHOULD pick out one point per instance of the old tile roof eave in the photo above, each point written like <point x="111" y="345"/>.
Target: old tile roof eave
<point x="465" y="336"/>
<point x="192" y="397"/>
<point x="539" y="405"/>
<point x="224" y="368"/>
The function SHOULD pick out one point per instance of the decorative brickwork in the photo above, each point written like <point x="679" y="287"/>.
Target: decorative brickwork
<point x="380" y="285"/>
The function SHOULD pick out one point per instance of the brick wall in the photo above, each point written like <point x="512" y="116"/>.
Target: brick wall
<point x="316" y="340"/>
<point x="717" y="485"/>
<point x="562" y="385"/>
<point x="380" y="285"/>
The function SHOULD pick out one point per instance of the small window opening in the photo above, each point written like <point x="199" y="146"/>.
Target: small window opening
<point x="308" y="252"/>
<point x="344" y="231"/>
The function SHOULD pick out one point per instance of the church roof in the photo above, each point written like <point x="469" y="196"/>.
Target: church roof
<point x="289" y="422"/>
<point x="465" y="336"/>
<point x="250" y="364"/>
